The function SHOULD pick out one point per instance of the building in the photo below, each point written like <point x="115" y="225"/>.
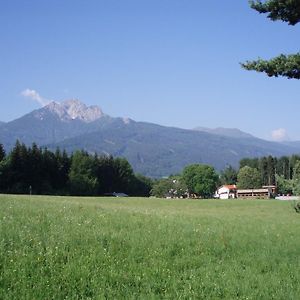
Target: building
<point x="253" y="193"/>
<point x="268" y="191"/>
<point x="231" y="192"/>
<point x="226" y="192"/>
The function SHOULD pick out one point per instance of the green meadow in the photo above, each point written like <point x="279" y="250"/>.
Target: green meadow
<point x="144" y="248"/>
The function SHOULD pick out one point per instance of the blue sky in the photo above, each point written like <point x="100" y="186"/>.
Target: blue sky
<point x="171" y="62"/>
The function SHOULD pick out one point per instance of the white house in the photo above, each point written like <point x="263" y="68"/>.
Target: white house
<point x="226" y="192"/>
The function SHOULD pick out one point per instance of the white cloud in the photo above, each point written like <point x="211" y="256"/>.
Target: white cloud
<point x="34" y="95"/>
<point x="279" y="135"/>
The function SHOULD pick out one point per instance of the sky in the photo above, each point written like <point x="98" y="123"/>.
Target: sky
<point x="170" y="62"/>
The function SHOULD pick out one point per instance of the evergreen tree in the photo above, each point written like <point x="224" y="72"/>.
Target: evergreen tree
<point x="33" y="173"/>
<point x="293" y="160"/>
<point x="142" y="186"/>
<point x="284" y="10"/>
<point x="228" y="175"/>
<point x="123" y="176"/>
<point x="50" y="173"/>
<point x="282" y="65"/>
<point x="2" y="168"/>
<point x="63" y="164"/>
<point x="83" y="180"/>
<point x="263" y="168"/>
<point x="16" y="170"/>
<point x="271" y="163"/>
<point x="2" y="152"/>
<point x="105" y="174"/>
<point x="296" y="178"/>
<point x="250" y="162"/>
<point x="283" y="167"/>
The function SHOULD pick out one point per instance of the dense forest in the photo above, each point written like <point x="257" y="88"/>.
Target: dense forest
<point x="283" y="172"/>
<point x="35" y="170"/>
<point x="40" y="171"/>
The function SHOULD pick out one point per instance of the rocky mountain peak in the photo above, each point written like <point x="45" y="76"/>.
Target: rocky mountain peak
<point x="74" y="109"/>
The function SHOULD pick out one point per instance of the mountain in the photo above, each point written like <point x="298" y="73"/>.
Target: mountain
<point x="152" y="150"/>
<point x="53" y="123"/>
<point x="159" y="151"/>
<point x="295" y="144"/>
<point x="71" y="110"/>
<point x="230" y="132"/>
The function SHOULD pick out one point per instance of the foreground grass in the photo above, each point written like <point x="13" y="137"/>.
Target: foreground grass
<point x="95" y="248"/>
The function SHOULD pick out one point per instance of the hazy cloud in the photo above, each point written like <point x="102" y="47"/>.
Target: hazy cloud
<point x="279" y="135"/>
<point x="34" y="95"/>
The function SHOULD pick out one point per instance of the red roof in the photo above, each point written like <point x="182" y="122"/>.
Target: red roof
<point x="231" y="186"/>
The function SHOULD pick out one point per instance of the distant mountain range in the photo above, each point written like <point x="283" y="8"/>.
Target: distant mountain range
<point x="152" y="150"/>
<point x="230" y="132"/>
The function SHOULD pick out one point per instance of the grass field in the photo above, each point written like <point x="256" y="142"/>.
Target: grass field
<point x="118" y="248"/>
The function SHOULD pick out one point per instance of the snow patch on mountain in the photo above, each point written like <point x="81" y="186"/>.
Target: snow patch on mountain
<point x="72" y="110"/>
<point x="126" y="120"/>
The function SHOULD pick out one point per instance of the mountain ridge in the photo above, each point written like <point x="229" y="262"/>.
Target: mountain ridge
<point x="171" y="152"/>
<point x="153" y="150"/>
<point x="231" y="132"/>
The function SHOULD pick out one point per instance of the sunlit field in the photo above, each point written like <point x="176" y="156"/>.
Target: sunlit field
<point x="125" y="248"/>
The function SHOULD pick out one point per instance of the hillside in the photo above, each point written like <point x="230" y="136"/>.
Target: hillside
<point x="158" y="151"/>
<point x="153" y="150"/>
<point x="230" y="132"/>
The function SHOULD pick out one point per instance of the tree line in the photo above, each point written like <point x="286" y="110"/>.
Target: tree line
<point x="283" y="172"/>
<point x="202" y="180"/>
<point x="268" y="168"/>
<point x="40" y="171"/>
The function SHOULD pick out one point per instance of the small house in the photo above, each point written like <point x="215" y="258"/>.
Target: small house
<point x="226" y="192"/>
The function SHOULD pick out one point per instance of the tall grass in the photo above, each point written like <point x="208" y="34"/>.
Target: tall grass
<point x="95" y="248"/>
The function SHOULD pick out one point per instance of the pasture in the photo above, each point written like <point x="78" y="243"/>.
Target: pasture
<point x="139" y="248"/>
